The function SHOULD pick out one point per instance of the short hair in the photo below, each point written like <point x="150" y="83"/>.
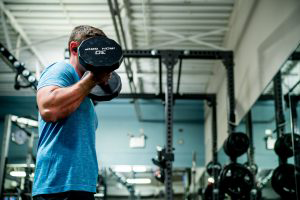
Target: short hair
<point x="82" y="32"/>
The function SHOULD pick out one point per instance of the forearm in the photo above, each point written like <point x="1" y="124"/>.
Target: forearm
<point x="61" y="102"/>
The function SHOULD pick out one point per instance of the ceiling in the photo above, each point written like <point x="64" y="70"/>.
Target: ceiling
<point x="38" y="32"/>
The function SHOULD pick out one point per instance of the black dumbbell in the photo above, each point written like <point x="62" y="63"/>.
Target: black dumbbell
<point x="236" y="180"/>
<point x="236" y="144"/>
<point x="101" y="54"/>
<point x="213" y="168"/>
<point x="287" y="145"/>
<point x="285" y="181"/>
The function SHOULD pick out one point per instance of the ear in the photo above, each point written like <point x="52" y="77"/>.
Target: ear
<point x="73" y="48"/>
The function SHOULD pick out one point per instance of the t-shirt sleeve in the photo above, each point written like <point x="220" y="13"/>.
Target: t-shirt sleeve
<point x="57" y="74"/>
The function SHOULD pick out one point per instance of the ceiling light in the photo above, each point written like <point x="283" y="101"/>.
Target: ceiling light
<point x="18" y="173"/>
<point x="122" y="168"/>
<point x="139" y="168"/>
<point x="138" y="180"/>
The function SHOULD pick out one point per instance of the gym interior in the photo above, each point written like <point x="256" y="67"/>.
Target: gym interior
<point x="207" y="108"/>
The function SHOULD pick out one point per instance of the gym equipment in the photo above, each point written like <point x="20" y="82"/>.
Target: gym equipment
<point x="284" y="146"/>
<point x="160" y="161"/>
<point x="208" y="193"/>
<point x="213" y="167"/>
<point x="236" y="144"/>
<point x="284" y="180"/>
<point x="159" y="175"/>
<point x="19" y="67"/>
<point x="169" y="58"/>
<point x="253" y="167"/>
<point x="236" y="180"/>
<point x="98" y="54"/>
<point x="101" y="54"/>
<point x="109" y="91"/>
<point x="122" y="179"/>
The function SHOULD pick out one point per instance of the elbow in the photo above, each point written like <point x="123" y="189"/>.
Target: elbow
<point x="49" y="115"/>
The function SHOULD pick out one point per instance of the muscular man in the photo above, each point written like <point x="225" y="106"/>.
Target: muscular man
<point x="66" y="166"/>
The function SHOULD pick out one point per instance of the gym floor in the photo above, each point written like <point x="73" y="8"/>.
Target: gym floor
<point x="208" y="107"/>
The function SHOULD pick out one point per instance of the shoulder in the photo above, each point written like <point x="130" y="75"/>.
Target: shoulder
<point x="59" y="74"/>
<point x="58" y="67"/>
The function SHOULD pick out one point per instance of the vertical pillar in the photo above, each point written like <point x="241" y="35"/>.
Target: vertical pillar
<point x="229" y="64"/>
<point x="4" y="152"/>
<point x="169" y="59"/>
<point x="279" y="115"/>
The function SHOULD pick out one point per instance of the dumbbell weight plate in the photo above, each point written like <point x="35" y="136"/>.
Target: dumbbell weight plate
<point x="284" y="145"/>
<point x="236" y="144"/>
<point x="236" y="180"/>
<point x="100" y="54"/>
<point x="109" y="91"/>
<point x="284" y="181"/>
<point x="212" y="167"/>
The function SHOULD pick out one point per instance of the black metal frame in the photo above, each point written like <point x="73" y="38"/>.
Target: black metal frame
<point x="279" y="113"/>
<point x="249" y="132"/>
<point x="188" y="96"/>
<point x="129" y="187"/>
<point x="169" y="58"/>
<point x="295" y="56"/>
<point x="5" y="147"/>
<point x="213" y="104"/>
<point x="17" y="67"/>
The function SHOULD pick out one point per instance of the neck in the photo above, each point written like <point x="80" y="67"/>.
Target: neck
<point x="75" y="64"/>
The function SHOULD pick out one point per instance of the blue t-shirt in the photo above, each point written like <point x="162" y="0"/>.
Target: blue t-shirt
<point x="66" y="154"/>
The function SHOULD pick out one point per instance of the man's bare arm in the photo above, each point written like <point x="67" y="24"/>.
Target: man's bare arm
<point x="57" y="103"/>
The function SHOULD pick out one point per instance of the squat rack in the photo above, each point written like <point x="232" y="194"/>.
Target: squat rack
<point x="169" y="58"/>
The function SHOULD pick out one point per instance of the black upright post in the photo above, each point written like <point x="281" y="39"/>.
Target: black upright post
<point x="169" y="59"/>
<point x="229" y="65"/>
<point x="215" y="146"/>
<point x="4" y="152"/>
<point x="249" y="132"/>
<point x="214" y="129"/>
<point x="279" y="114"/>
<point x="294" y="118"/>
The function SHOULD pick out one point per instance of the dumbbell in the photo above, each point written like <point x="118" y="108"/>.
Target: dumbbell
<point x="285" y="181"/>
<point x="287" y="145"/>
<point x="213" y="168"/>
<point x="236" y="144"/>
<point x="236" y="180"/>
<point x="101" y="54"/>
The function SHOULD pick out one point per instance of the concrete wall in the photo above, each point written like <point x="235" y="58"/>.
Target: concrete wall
<point x="263" y="34"/>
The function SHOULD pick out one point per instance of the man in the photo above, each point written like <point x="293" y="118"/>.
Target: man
<point x="66" y="166"/>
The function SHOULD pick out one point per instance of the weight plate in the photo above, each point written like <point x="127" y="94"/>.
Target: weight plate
<point x="109" y="91"/>
<point x="236" y="144"/>
<point x="211" y="167"/>
<point x="284" y="145"/>
<point x="285" y="181"/>
<point x="100" y="54"/>
<point x="236" y="180"/>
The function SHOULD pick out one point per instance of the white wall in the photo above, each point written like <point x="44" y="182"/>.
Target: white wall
<point x="263" y="34"/>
